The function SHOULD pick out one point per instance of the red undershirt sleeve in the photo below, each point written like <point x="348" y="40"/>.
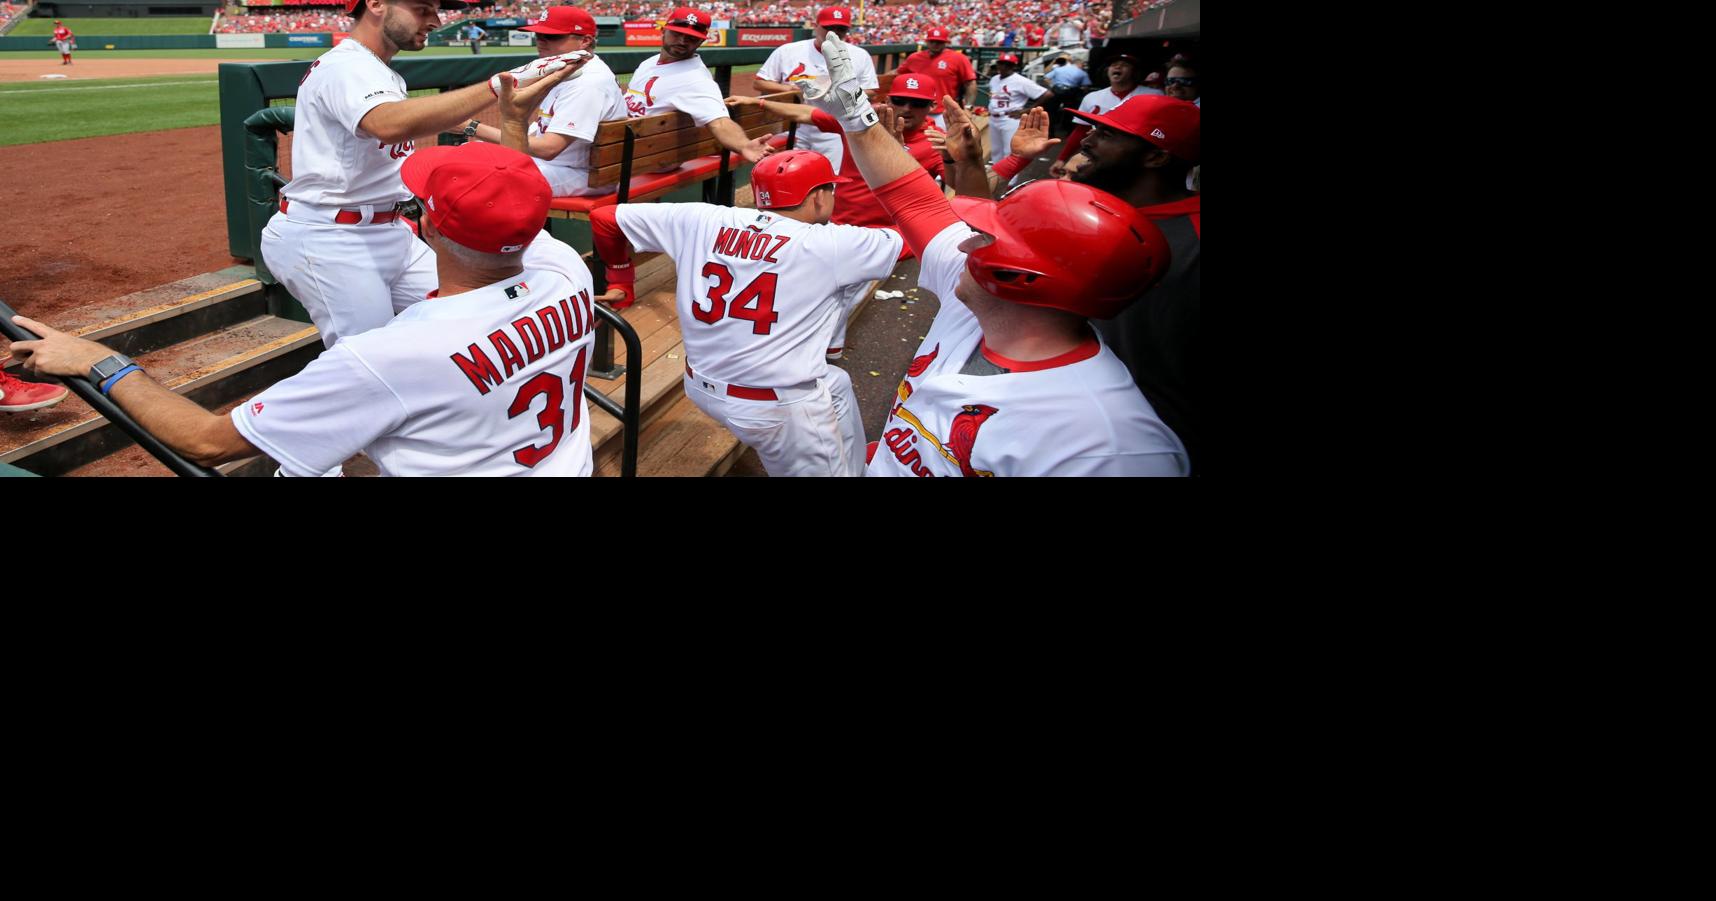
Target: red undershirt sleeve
<point x="611" y="243"/>
<point x="918" y="206"/>
<point x="1074" y="141"/>
<point x="1011" y="166"/>
<point x="826" y="122"/>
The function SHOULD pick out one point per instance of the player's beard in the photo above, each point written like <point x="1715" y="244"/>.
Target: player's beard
<point x="402" y="30"/>
<point x="1112" y="175"/>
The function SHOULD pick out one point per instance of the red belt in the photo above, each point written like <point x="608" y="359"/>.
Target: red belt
<point x="353" y="217"/>
<point x="740" y="391"/>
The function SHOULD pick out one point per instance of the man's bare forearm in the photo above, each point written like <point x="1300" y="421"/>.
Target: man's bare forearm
<point x="406" y="119"/>
<point x="200" y="436"/>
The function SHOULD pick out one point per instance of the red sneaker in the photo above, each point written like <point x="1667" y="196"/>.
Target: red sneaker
<point x="18" y="396"/>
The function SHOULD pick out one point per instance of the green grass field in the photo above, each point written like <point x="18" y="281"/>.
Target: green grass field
<point x="86" y="109"/>
<point x="152" y="25"/>
<point x="37" y="111"/>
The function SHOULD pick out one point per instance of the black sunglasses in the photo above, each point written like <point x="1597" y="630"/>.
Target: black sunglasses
<point x="913" y="102"/>
<point x="1183" y="82"/>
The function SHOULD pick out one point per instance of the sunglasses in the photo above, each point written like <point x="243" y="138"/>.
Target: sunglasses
<point x="1183" y="82"/>
<point x="912" y="102"/>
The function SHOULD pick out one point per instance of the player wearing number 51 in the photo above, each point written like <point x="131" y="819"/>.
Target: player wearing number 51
<point x="760" y="292"/>
<point x="485" y="377"/>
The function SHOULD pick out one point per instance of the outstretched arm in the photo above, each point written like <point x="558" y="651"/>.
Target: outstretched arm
<point x="729" y="135"/>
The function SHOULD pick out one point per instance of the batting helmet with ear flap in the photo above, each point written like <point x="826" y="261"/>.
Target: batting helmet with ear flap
<point x="786" y="179"/>
<point x="1063" y="245"/>
<point x="352" y="5"/>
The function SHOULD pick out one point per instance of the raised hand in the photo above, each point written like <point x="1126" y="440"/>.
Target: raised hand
<point x="963" y="142"/>
<point x="1032" y="138"/>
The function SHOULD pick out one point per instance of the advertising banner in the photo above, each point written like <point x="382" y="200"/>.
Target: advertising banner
<point x="764" y="37"/>
<point x="307" y="40"/>
<point x="504" y="23"/>
<point x="520" y="39"/>
<point x="642" y="34"/>
<point x="340" y="36"/>
<point x="237" y="41"/>
<point x="716" y="39"/>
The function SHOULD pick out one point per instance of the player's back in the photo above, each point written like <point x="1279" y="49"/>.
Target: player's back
<point x="758" y="294"/>
<point x="491" y="381"/>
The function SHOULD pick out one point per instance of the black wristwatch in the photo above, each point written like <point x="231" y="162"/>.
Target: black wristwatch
<point x="471" y="129"/>
<point x="107" y="368"/>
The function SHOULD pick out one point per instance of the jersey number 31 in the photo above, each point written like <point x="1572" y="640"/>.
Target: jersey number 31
<point x="756" y="303"/>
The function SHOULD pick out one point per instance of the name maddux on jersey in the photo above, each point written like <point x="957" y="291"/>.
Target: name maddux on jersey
<point x="531" y="338"/>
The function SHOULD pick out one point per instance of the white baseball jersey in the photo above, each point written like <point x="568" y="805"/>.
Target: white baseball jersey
<point x="801" y="61"/>
<point x="758" y="293"/>
<point x="1105" y="100"/>
<point x="575" y="108"/>
<point x="1077" y="415"/>
<point x="485" y="383"/>
<point x="1012" y="93"/>
<point x="334" y="163"/>
<point x="686" y="86"/>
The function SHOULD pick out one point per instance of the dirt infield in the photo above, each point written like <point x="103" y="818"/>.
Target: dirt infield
<point x="98" y="218"/>
<point x="34" y="69"/>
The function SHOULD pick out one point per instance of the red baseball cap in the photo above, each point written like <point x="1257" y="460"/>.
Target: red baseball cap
<point x="1168" y="123"/>
<point x="482" y="196"/>
<point x="686" y="20"/>
<point x="1008" y="58"/>
<point x="834" y="15"/>
<point x="914" y="86"/>
<point x="1122" y="57"/>
<point x="561" y="20"/>
<point x="936" y="34"/>
<point x="1153" y="78"/>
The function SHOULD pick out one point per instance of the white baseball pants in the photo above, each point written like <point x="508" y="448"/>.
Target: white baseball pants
<point x="351" y="278"/>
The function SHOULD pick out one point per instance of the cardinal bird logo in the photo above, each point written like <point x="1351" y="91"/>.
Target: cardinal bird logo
<point x="648" y="100"/>
<point x="962" y="436"/>
<point x="919" y="364"/>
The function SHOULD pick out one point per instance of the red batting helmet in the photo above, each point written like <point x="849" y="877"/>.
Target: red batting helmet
<point x="352" y="5"/>
<point x="1066" y="246"/>
<point x="786" y="179"/>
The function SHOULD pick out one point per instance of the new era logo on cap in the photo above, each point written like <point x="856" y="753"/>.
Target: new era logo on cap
<point x="1157" y="133"/>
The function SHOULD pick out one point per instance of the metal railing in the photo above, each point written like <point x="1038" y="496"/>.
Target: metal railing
<point x="101" y="403"/>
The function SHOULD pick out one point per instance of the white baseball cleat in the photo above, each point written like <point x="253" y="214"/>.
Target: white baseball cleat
<point x="844" y="90"/>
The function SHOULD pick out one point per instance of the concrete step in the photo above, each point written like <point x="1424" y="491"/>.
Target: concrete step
<point x="225" y="365"/>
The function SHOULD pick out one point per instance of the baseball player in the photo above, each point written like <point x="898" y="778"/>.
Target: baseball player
<point x="475" y="34"/>
<point x="1010" y="379"/>
<point x="1010" y="94"/>
<point x="1122" y="84"/>
<point x="853" y="202"/>
<point x="337" y="243"/>
<point x="563" y="127"/>
<point x="19" y="396"/>
<point x="678" y="80"/>
<point x="951" y="69"/>
<point x="64" y="41"/>
<point x="759" y="293"/>
<point x="800" y="66"/>
<point x="484" y="378"/>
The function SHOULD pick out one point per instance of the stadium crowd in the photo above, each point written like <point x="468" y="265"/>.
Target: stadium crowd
<point x="994" y="23"/>
<point x="8" y="10"/>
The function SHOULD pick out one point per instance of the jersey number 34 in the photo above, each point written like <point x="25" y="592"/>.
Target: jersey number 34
<point x="756" y="303"/>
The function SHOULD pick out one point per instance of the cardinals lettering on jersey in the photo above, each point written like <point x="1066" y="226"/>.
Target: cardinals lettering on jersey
<point x="552" y="327"/>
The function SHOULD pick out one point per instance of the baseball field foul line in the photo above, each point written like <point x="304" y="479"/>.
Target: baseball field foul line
<point x="107" y="87"/>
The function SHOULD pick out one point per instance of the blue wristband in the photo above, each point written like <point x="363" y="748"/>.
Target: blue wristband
<point x="112" y="380"/>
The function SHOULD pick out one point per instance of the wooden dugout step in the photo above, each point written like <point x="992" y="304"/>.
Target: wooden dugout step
<point x="166" y="314"/>
<point x="226" y="364"/>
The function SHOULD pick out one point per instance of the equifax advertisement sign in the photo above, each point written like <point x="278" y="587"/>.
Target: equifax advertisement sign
<point x="764" y="37"/>
<point x="307" y="40"/>
<point x="648" y="34"/>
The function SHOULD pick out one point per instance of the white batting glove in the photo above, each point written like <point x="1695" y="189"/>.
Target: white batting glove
<point x="845" y="91"/>
<point x="527" y="74"/>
